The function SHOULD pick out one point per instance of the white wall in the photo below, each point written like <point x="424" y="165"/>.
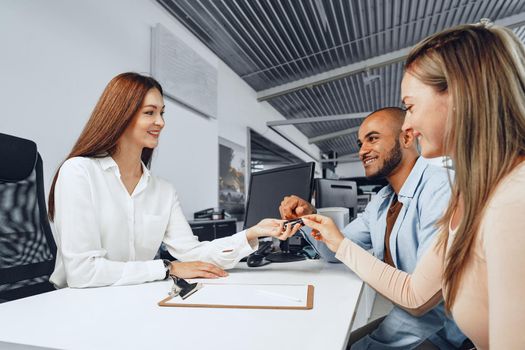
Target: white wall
<point x="353" y="169"/>
<point x="239" y="109"/>
<point x="356" y="169"/>
<point x="56" y="58"/>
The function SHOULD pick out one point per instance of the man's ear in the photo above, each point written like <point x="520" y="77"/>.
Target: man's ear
<point x="406" y="138"/>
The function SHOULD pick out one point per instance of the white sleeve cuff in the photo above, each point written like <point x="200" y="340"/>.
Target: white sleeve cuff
<point x="156" y="269"/>
<point x="244" y="246"/>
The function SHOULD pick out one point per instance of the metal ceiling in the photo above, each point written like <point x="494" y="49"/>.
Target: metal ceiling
<point x="264" y="154"/>
<point x="348" y="53"/>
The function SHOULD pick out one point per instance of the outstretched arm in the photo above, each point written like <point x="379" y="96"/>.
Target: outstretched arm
<point x="417" y="292"/>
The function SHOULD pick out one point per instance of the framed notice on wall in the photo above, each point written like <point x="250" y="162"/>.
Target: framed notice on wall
<point x="185" y="76"/>
<point x="232" y="173"/>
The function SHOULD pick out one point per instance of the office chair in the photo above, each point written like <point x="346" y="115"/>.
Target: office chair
<point x="27" y="247"/>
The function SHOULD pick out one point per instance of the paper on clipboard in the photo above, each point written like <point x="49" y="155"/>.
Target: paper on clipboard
<point x="248" y="296"/>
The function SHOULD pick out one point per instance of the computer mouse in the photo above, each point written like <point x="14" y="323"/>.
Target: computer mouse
<point x="256" y="260"/>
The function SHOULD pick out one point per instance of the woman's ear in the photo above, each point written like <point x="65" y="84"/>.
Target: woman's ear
<point x="407" y="138"/>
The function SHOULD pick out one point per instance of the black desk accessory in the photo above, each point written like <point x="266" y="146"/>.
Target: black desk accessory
<point x="183" y="288"/>
<point x="285" y="255"/>
<point x="257" y="258"/>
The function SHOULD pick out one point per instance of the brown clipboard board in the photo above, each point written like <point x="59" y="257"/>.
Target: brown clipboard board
<point x="309" y="304"/>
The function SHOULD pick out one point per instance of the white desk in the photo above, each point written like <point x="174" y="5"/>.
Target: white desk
<point x="128" y="317"/>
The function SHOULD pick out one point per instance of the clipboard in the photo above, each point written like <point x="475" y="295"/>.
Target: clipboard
<point x="247" y="296"/>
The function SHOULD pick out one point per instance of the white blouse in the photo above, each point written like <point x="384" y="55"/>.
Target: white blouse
<point x="107" y="237"/>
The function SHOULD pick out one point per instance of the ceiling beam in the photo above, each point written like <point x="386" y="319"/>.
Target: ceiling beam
<point x="373" y="62"/>
<point x="332" y="135"/>
<point x="334" y="74"/>
<point x="347" y="158"/>
<point x="326" y="118"/>
<point x="513" y="21"/>
<point x="293" y="143"/>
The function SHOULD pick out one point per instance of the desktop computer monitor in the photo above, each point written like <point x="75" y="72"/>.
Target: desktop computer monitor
<point x="336" y="193"/>
<point x="266" y="191"/>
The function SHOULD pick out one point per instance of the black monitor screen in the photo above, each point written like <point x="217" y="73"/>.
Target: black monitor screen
<point x="269" y="187"/>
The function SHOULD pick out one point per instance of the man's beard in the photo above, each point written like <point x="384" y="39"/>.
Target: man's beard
<point x="393" y="160"/>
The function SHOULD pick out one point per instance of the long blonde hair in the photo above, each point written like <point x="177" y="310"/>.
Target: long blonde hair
<point x="482" y="67"/>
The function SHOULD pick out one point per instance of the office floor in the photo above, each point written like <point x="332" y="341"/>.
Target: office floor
<point x="381" y="307"/>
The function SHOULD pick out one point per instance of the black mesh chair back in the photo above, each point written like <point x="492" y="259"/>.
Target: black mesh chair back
<point x="27" y="247"/>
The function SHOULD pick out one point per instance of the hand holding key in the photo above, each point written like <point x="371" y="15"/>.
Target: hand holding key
<point x="325" y="230"/>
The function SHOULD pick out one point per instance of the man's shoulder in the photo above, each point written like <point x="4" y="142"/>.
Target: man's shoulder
<point x="435" y="186"/>
<point x="384" y="194"/>
<point x="436" y="175"/>
<point x="385" y="190"/>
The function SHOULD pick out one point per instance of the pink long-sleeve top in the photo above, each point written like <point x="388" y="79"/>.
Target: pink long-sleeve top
<point x="490" y="303"/>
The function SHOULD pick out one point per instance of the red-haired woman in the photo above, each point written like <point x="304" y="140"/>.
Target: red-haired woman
<point x="111" y="214"/>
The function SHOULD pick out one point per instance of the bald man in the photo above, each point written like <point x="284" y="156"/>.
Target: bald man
<point x="398" y="225"/>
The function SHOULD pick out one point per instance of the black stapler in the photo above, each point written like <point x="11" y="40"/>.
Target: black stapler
<point x="183" y="288"/>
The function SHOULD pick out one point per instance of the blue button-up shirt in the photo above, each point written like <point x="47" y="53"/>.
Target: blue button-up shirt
<point x="425" y="195"/>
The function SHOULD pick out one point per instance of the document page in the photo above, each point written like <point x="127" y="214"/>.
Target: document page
<point x="262" y="295"/>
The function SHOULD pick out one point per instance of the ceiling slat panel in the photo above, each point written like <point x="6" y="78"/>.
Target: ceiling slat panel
<point x="214" y="22"/>
<point x="313" y="33"/>
<point x="335" y="13"/>
<point x="481" y="10"/>
<point x="520" y="7"/>
<point x="500" y="9"/>
<point x="279" y="41"/>
<point x="331" y="30"/>
<point x="467" y="13"/>
<point x="419" y="19"/>
<point x="294" y="38"/>
<point x="247" y="28"/>
<point x="200" y="27"/>
<point x="304" y="37"/>
<point x="258" y="15"/>
<point x="320" y="28"/>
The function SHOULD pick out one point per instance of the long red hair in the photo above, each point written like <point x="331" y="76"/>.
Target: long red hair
<point x="114" y="111"/>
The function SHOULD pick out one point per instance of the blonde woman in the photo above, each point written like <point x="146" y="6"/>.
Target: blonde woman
<point x="464" y="90"/>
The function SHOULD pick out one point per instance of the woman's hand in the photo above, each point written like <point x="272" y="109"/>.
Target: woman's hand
<point x="325" y="230"/>
<point x="196" y="269"/>
<point x="272" y="228"/>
